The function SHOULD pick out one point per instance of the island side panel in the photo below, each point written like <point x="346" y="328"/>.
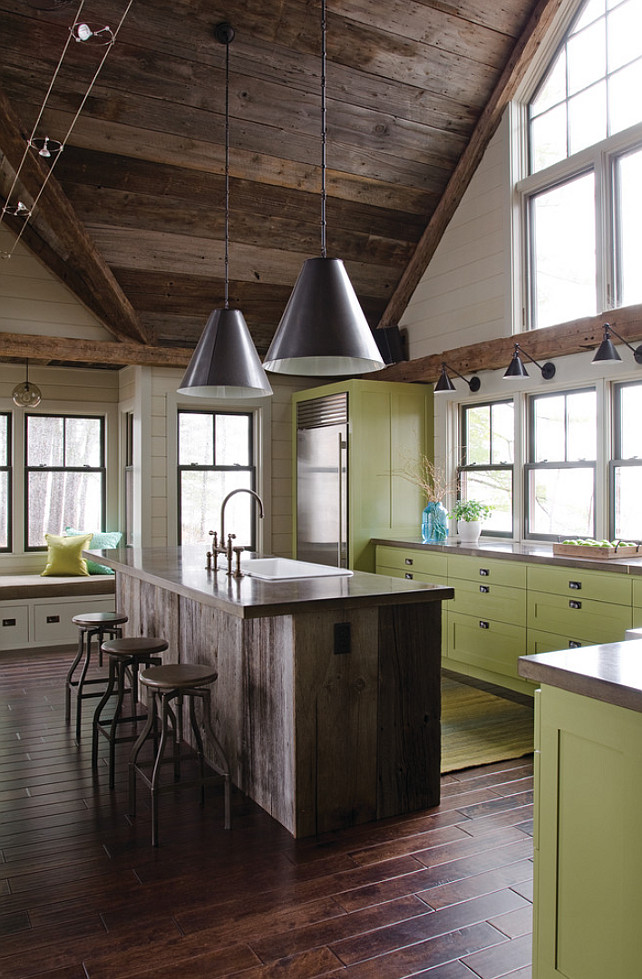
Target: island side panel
<point x="252" y="699"/>
<point x="409" y="745"/>
<point x="336" y="720"/>
<point x="151" y="611"/>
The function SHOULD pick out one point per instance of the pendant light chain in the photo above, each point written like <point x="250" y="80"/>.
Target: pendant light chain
<point x="227" y="176"/>
<point x="324" y="134"/>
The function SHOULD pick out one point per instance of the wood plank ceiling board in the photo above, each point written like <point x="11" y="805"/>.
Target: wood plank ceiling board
<point x="140" y="184"/>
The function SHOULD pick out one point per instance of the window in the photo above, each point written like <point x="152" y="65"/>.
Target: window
<point x="626" y="465"/>
<point x="5" y="482"/>
<point x="560" y="473"/>
<point x="215" y="456"/>
<point x="486" y="462"/>
<point x="581" y="198"/>
<point x="64" y="475"/>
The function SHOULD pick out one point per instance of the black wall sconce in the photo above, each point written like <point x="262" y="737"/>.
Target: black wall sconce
<point x="516" y="368"/>
<point x="606" y="351"/>
<point x="445" y="384"/>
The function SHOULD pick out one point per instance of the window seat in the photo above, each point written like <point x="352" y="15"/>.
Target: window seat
<point x="37" y="611"/>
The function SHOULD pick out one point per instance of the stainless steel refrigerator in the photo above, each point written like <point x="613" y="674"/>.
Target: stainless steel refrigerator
<point x="322" y="480"/>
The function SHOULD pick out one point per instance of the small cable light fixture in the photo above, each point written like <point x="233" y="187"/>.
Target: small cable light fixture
<point x="516" y="368"/>
<point x="323" y="330"/>
<point x="225" y="363"/>
<point x="606" y="351"/>
<point x="26" y="394"/>
<point x="444" y="383"/>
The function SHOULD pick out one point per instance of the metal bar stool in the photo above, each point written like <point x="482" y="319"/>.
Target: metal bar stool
<point x="126" y="656"/>
<point x="168" y="684"/>
<point x="90" y="625"/>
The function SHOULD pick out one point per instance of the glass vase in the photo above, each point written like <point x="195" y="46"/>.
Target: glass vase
<point x="434" y="523"/>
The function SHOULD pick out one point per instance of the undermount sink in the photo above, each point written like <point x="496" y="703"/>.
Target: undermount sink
<point x="284" y="569"/>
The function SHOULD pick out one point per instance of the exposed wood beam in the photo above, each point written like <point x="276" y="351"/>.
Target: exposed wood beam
<point x="573" y="337"/>
<point x="91" y="351"/>
<point x="512" y="76"/>
<point x="76" y="247"/>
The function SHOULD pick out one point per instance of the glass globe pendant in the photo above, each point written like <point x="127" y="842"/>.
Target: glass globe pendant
<point x="26" y="394"/>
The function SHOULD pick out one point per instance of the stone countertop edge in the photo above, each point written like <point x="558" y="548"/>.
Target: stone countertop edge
<point x="532" y="553"/>
<point x="182" y="570"/>
<point x="611" y="672"/>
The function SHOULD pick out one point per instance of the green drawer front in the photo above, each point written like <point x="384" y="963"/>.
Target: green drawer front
<point x="489" y="601"/>
<point x="426" y="562"/>
<point x="486" y="644"/>
<point x="637" y="591"/>
<point x="593" y="622"/>
<point x="550" y="642"/>
<point x="512" y="573"/>
<point x="615" y="588"/>
<point x="412" y="575"/>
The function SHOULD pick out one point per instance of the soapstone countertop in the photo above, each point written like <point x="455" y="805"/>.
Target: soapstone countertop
<point x="533" y="553"/>
<point x="611" y="672"/>
<point x="182" y="570"/>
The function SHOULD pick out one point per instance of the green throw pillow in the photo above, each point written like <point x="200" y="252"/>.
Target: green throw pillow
<point x="64" y="555"/>
<point x="99" y="540"/>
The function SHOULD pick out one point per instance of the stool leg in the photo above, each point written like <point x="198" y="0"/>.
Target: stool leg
<point x="101" y="703"/>
<point x="81" y="681"/>
<point x="164" y="698"/>
<point x="197" y="737"/>
<point x="222" y="760"/>
<point x="72" y="668"/>
<point x="121" y="667"/>
<point x="133" y="758"/>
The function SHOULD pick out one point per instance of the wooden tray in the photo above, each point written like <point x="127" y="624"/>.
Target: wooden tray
<point x="601" y="553"/>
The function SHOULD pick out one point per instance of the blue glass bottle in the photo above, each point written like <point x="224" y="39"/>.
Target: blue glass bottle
<point x="434" y="523"/>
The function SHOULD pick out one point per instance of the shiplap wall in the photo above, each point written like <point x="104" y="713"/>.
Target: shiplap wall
<point x="34" y="302"/>
<point x="464" y="295"/>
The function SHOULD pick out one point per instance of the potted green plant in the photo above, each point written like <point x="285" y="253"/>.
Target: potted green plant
<point x="469" y="515"/>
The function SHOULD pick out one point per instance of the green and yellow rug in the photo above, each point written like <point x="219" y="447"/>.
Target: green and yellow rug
<point x="478" y="728"/>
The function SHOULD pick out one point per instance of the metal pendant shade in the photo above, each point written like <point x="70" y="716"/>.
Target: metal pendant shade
<point x="444" y="384"/>
<point x="225" y="363"/>
<point x="323" y="330"/>
<point x="516" y="367"/>
<point x="606" y="352"/>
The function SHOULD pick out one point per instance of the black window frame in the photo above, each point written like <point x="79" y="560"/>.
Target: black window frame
<point x="464" y="467"/>
<point x="196" y="467"/>
<point x="530" y="465"/>
<point x="8" y="468"/>
<point x="102" y="469"/>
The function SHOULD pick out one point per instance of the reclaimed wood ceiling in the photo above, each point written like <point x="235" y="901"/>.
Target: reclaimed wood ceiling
<point x="133" y="219"/>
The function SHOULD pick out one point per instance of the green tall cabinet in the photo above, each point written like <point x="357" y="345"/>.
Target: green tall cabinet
<point x="371" y="428"/>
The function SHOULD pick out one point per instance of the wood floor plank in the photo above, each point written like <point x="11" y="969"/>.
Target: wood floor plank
<point x="83" y="895"/>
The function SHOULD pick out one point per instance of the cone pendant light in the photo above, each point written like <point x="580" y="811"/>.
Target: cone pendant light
<point x="225" y="363"/>
<point x="323" y="330"/>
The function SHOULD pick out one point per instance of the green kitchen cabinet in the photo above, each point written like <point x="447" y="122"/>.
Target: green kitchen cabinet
<point x="384" y="426"/>
<point x="486" y="644"/>
<point x="588" y="846"/>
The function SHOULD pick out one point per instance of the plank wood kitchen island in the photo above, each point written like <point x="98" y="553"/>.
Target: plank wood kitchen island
<point x="327" y="701"/>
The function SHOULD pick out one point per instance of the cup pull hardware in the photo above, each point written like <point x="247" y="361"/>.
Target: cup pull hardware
<point x="574" y="604"/>
<point x="484" y="589"/>
<point x="409" y="561"/>
<point x="409" y="575"/>
<point x="484" y="625"/>
<point x="575" y="585"/>
<point x="574" y="644"/>
<point x="484" y="572"/>
<point x="52" y="618"/>
<point x="7" y="622"/>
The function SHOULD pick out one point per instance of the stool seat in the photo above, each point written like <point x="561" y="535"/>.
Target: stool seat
<point x="125" y="657"/>
<point x="93" y="619"/>
<point x="171" y="684"/>
<point x="91" y="625"/>
<point x="138" y="646"/>
<point x="178" y="676"/>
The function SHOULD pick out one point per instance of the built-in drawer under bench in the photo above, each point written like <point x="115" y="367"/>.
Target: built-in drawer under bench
<point x="37" y="611"/>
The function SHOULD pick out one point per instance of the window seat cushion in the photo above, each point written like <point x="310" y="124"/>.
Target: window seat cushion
<point x="34" y="586"/>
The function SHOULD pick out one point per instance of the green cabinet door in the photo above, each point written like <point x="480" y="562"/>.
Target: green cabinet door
<point x="588" y="856"/>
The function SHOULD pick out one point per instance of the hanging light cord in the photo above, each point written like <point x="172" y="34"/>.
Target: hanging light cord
<point x="227" y="176"/>
<point x="324" y="135"/>
<point x="109" y="46"/>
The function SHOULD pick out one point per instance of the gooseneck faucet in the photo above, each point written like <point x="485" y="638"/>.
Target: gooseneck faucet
<point x="223" y="547"/>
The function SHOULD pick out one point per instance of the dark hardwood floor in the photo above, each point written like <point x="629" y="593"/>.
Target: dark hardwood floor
<point x="443" y="894"/>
